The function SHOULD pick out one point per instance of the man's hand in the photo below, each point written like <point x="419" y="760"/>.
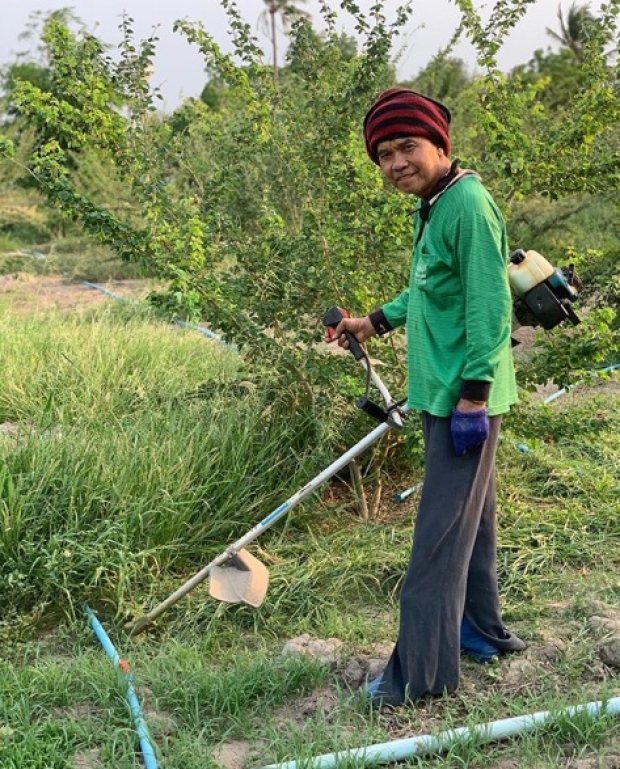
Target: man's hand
<point x="469" y="426"/>
<point x="361" y="328"/>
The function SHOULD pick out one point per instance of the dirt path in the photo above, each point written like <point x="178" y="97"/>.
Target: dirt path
<point x="36" y="293"/>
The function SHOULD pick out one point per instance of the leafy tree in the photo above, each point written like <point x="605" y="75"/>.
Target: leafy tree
<point x="574" y="28"/>
<point x="32" y="65"/>
<point x="557" y="77"/>
<point x="344" y="44"/>
<point x="288" y="12"/>
<point x="444" y="77"/>
<point x="262" y="213"/>
<point x="17" y="72"/>
<point x="214" y="92"/>
<point x="526" y="148"/>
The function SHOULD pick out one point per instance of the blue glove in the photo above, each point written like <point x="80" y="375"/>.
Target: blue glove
<point x="469" y="429"/>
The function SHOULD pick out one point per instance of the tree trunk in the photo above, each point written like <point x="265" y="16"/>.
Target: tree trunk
<point x="274" y="45"/>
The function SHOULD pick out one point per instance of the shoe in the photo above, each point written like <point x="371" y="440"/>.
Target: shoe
<point x="474" y="645"/>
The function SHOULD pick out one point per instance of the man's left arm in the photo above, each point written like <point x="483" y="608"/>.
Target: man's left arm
<point x="482" y="261"/>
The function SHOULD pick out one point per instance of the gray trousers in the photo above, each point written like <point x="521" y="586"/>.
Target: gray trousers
<point x="452" y="570"/>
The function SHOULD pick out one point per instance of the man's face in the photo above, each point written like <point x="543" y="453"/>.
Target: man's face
<point x="412" y="164"/>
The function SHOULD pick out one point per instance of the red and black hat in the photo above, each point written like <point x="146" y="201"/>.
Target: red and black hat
<point x="401" y="112"/>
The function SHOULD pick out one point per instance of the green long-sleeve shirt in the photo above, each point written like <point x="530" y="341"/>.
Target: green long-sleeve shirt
<point x="457" y="309"/>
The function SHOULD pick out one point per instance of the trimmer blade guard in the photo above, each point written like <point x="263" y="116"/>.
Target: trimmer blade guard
<point x="243" y="579"/>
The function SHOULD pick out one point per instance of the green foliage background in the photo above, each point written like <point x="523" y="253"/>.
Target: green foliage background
<point x="257" y="206"/>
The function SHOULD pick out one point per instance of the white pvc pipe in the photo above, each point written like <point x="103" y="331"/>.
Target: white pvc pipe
<point x="399" y="750"/>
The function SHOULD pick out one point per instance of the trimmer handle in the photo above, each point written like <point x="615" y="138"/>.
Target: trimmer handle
<point x="331" y="319"/>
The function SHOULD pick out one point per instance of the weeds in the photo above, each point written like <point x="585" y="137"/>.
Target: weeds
<point x="132" y="455"/>
<point x="138" y="452"/>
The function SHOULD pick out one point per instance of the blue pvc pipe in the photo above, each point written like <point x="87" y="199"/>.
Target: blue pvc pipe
<point x="399" y="750"/>
<point x="564" y="390"/>
<point x="523" y="447"/>
<point x="104" y="290"/>
<point x="150" y="762"/>
<point x="205" y="331"/>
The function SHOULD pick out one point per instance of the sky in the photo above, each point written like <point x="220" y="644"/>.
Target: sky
<point x="179" y="69"/>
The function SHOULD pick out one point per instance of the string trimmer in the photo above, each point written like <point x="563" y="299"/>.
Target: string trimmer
<point x="236" y="576"/>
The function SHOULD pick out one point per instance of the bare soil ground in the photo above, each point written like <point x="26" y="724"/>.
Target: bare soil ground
<point x="36" y="293"/>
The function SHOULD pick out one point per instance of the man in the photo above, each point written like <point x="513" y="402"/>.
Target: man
<point x="457" y="312"/>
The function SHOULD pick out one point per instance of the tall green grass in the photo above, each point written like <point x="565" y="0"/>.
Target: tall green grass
<point x="140" y="451"/>
<point x="137" y="451"/>
<point x="136" y="448"/>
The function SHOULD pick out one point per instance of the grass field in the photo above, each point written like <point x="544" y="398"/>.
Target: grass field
<point x="132" y="452"/>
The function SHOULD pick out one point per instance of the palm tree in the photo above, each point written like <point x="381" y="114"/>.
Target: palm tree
<point x="573" y="28"/>
<point x="288" y="12"/>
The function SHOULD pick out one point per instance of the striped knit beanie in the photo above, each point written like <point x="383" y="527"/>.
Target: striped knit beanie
<point x="400" y="112"/>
